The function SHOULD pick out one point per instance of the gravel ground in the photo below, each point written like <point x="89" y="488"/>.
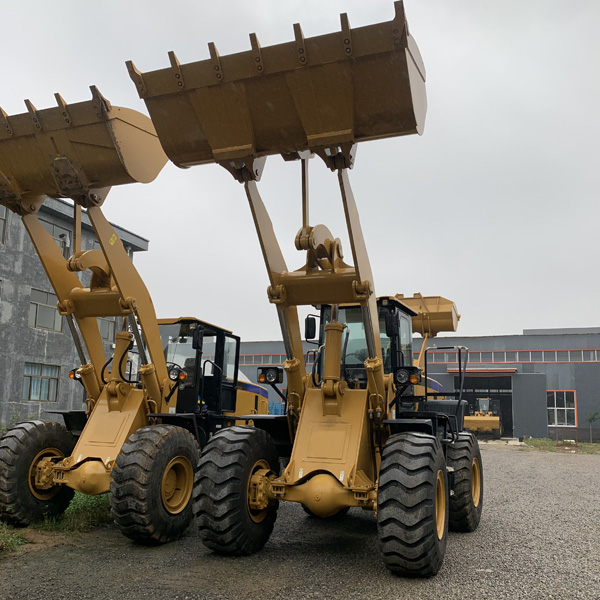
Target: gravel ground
<point x="539" y="537"/>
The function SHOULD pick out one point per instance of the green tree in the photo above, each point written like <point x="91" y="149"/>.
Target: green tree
<point x="593" y="416"/>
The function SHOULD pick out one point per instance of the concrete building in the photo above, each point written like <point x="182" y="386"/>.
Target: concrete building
<point x="36" y="348"/>
<point x="545" y="382"/>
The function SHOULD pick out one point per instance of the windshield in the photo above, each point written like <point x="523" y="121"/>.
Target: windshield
<point x="353" y="338"/>
<point x="177" y="348"/>
<point x="355" y="343"/>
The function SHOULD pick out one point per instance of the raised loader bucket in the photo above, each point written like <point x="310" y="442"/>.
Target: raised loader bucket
<point x="74" y="148"/>
<point x="434" y="314"/>
<point x="309" y="94"/>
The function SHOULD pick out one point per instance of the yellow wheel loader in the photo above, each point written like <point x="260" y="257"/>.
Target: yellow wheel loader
<point x="139" y="436"/>
<point x="484" y="418"/>
<point x="349" y="439"/>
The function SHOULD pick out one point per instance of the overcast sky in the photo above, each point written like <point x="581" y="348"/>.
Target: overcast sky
<point x="495" y="206"/>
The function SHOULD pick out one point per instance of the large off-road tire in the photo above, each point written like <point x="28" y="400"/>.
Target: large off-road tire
<point x="227" y="523"/>
<point x="152" y="484"/>
<point x="466" y="503"/>
<point x="21" y="449"/>
<point x="412" y="505"/>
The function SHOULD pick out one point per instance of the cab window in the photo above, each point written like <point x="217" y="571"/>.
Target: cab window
<point x="229" y="359"/>
<point x="406" y="340"/>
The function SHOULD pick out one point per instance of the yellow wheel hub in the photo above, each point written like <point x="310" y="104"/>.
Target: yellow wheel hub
<point x="440" y="505"/>
<point x="255" y="495"/>
<point x="177" y="484"/>
<point x="476" y="482"/>
<point x="47" y="490"/>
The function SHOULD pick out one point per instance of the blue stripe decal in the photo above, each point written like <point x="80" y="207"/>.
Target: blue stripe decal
<point x="434" y="385"/>
<point x="253" y="389"/>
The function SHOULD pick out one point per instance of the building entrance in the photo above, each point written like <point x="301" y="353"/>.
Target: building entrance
<point x="496" y="387"/>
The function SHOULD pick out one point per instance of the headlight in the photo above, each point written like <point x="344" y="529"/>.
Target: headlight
<point x="402" y="376"/>
<point x="73" y="374"/>
<point x="406" y="375"/>
<point x="173" y="374"/>
<point x="270" y="375"/>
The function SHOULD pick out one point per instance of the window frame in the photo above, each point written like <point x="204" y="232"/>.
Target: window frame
<point x="47" y="305"/>
<point x="34" y="376"/>
<point x="554" y="410"/>
<point x="56" y="231"/>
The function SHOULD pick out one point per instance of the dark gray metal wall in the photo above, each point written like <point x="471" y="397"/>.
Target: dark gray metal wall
<point x="529" y="405"/>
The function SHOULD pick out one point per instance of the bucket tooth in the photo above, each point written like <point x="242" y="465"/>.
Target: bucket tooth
<point x="176" y="68"/>
<point x="5" y="124"/>
<point x="300" y="44"/>
<point x="257" y="53"/>
<point x="346" y="34"/>
<point x="63" y="107"/>
<point x="102" y="105"/>
<point x="216" y="60"/>
<point x="137" y="78"/>
<point x="33" y="115"/>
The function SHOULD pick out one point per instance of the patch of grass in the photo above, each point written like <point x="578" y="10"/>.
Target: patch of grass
<point x="10" y="539"/>
<point x="549" y="445"/>
<point x="83" y="514"/>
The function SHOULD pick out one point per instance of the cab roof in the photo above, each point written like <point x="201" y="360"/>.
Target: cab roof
<point x="208" y="327"/>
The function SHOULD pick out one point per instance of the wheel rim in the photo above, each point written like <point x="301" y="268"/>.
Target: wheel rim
<point x="476" y="482"/>
<point x="177" y="485"/>
<point x="256" y="515"/>
<point x="43" y="493"/>
<point x="440" y="505"/>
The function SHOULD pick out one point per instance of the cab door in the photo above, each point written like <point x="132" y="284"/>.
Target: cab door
<point x="231" y="358"/>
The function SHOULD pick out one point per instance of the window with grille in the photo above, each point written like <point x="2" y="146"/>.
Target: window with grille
<point x="562" y="408"/>
<point x="40" y="382"/>
<point x="43" y="313"/>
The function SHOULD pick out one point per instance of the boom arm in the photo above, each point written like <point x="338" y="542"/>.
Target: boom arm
<point x="325" y="279"/>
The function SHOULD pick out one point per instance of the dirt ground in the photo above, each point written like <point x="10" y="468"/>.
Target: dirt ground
<point x="539" y="538"/>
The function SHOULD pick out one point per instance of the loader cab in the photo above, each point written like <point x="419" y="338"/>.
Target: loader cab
<point x="209" y="355"/>
<point x="395" y="331"/>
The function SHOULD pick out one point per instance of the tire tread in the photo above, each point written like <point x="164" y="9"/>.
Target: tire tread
<point x="135" y="497"/>
<point x="220" y="497"/>
<point x="406" y="505"/>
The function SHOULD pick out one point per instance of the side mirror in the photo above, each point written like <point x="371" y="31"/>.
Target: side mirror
<point x="310" y="328"/>
<point x="197" y="338"/>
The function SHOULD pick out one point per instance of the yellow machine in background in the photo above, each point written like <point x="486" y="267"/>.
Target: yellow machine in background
<point x="138" y="437"/>
<point x="432" y="315"/>
<point x="483" y="419"/>
<point x="347" y="437"/>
